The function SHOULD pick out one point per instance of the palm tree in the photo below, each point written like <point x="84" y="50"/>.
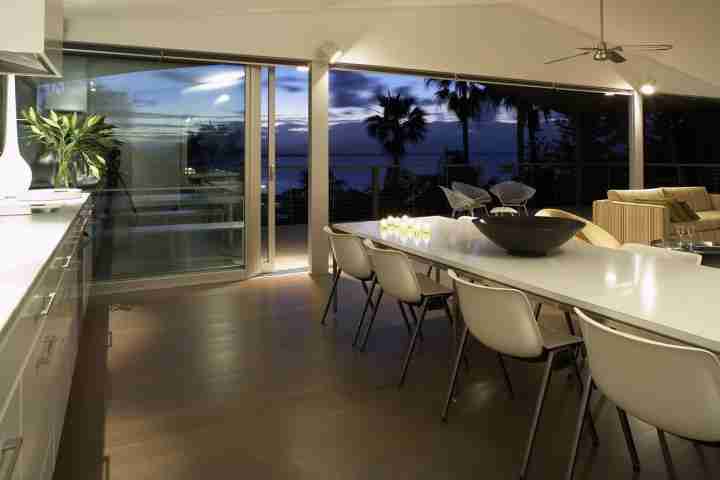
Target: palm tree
<point x="400" y="122"/>
<point x="465" y="99"/>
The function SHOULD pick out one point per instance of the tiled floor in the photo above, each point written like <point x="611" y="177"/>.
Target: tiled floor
<point x="241" y="381"/>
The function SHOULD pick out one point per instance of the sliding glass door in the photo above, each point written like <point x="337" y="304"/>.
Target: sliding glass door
<point x="284" y="194"/>
<point x="211" y="174"/>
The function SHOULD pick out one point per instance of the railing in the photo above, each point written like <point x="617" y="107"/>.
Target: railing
<point x="145" y="232"/>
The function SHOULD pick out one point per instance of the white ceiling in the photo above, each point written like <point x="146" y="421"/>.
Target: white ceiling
<point x="690" y="25"/>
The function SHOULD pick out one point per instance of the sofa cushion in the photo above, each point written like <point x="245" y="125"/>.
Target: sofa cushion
<point x="652" y="194"/>
<point x="688" y="211"/>
<point x="678" y="213"/>
<point x="709" y="220"/>
<point x="696" y="197"/>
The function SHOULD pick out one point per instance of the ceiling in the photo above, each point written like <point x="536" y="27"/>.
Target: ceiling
<point x="690" y="25"/>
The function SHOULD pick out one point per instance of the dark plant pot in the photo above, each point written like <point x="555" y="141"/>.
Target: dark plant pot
<point x="528" y="236"/>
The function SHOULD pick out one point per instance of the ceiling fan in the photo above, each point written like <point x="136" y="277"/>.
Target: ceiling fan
<point x="602" y="52"/>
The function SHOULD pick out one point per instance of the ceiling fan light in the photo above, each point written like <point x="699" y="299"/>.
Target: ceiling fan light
<point x="648" y="88"/>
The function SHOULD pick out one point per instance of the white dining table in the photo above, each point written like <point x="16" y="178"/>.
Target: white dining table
<point x="676" y="300"/>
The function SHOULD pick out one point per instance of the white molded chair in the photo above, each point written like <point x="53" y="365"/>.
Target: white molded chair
<point x="513" y="194"/>
<point x="502" y="319"/>
<point x="397" y="278"/>
<point x="480" y="197"/>
<point x="673" y="388"/>
<point x="353" y="260"/>
<point x="687" y="257"/>
<point x="459" y="203"/>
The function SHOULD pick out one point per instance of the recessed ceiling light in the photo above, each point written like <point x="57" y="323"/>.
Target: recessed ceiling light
<point x="648" y="88"/>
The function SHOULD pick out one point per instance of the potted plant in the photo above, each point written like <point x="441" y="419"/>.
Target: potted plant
<point x="79" y="145"/>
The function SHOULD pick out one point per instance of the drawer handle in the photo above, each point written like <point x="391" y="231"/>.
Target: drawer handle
<point x="11" y="445"/>
<point x="51" y="300"/>
<point x="68" y="259"/>
<point x="50" y="342"/>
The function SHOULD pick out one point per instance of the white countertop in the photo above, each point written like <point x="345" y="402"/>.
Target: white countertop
<point x="26" y="244"/>
<point x="674" y="299"/>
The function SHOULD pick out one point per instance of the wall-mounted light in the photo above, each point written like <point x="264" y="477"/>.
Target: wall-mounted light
<point x="329" y="52"/>
<point x="648" y="88"/>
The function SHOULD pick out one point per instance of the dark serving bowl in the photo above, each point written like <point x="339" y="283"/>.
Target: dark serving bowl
<point x="528" y="236"/>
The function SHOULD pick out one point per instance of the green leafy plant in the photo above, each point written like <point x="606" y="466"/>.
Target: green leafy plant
<point x="80" y="145"/>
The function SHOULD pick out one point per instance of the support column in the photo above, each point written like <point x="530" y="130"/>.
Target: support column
<point x="319" y="180"/>
<point x="636" y="142"/>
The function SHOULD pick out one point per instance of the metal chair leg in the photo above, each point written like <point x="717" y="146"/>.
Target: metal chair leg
<point x="405" y="317"/>
<point x="455" y="372"/>
<point x="430" y="269"/>
<point x="538" y="309"/>
<point x="569" y="322"/>
<point x="372" y="321"/>
<point x="413" y="341"/>
<point x="584" y="408"/>
<point x="506" y="375"/>
<point x="629" y="439"/>
<point x="415" y="321"/>
<point x="666" y="454"/>
<point x="538" y="413"/>
<point x="368" y="303"/>
<point x="332" y="295"/>
<point x="588" y="415"/>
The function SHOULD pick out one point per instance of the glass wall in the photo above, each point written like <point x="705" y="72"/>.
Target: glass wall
<point x="682" y="147"/>
<point x="571" y="146"/>
<point x="173" y="198"/>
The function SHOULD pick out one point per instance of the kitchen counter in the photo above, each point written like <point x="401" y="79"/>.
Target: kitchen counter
<point x="27" y="243"/>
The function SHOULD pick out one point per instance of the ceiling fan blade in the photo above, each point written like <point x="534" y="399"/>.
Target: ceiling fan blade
<point x="569" y="57"/>
<point x="592" y="49"/>
<point x="615" y="57"/>
<point x="652" y="47"/>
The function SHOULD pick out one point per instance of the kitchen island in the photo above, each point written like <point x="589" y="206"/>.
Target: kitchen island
<point x="45" y="269"/>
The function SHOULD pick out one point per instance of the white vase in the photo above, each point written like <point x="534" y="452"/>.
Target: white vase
<point x="15" y="173"/>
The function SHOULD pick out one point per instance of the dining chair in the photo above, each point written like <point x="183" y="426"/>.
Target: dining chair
<point x="397" y="278"/>
<point x="502" y="319"/>
<point x="663" y="253"/>
<point x="676" y="389"/>
<point x="479" y="196"/>
<point x="459" y="203"/>
<point x="353" y="260"/>
<point x="590" y="233"/>
<point x="513" y="194"/>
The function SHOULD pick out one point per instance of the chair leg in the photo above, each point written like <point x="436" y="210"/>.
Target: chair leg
<point x="368" y="303"/>
<point x="666" y="454"/>
<point x="413" y="341"/>
<point x="506" y="375"/>
<point x="538" y="413"/>
<point x="538" y="309"/>
<point x="584" y="408"/>
<point x="405" y="317"/>
<point x="455" y="372"/>
<point x="415" y="320"/>
<point x="333" y="291"/>
<point x="430" y="269"/>
<point x="451" y="322"/>
<point x="629" y="439"/>
<point x="569" y="323"/>
<point x="372" y="321"/>
<point x="588" y="415"/>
